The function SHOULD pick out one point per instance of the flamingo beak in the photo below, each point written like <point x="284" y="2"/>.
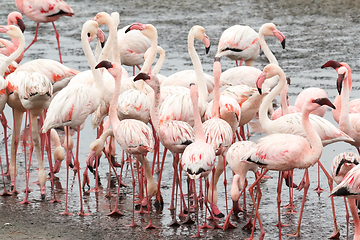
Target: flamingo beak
<point x="331" y="63"/>
<point x="141" y="76"/>
<point x="339" y="82"/>
<point x="324" y="101"/>
<point x="21" y="24"/>
<point x="259" y="82"/>
<point x="206" y="41"/>
<point x="105" y="64"/>
<point x="279" y="35"/>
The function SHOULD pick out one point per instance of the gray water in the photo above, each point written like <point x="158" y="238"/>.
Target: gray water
<point x="316" y="31"/>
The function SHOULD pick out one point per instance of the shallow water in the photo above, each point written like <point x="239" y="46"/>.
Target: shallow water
<point x="316" y="31"/>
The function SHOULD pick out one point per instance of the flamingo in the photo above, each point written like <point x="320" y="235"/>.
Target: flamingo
<point x="354" y="105"/>
<point x="247" y="75"/>
<point x="240" y="168"/>
<point x="132" y="47"/>
<point x="239" y="43"/>
<point x="10" y="46"/>
<point x="71" y="106"/>
<point x="349" y="188"/>
<point x="174" y="135"/>
<point x="133" y="136"/>
<point x="178" y="105"/>
<point x="198" y="158"/>
<point x="291" y="147"/>
<point x="348" y="122"/>
<point x="219" y="134"/>
<point x="340" y="166"/>
<point x="44" y="11"/>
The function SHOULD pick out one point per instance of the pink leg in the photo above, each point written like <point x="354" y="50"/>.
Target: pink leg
<point x="306" y="188"/>
<point x="77" y="166"/>
<point x="319" y="189"/>
<point x="35" y="38"/>
<point x="133" y="224"/>
<point x="347" y="219"/>
<point x="205" y="225"/>
<point x="58" y="41"/>
<point x="291" y="193"/>
<point x="336" y="233"/>
<point x="354" y="213"/>
<point x="27" y="171"/>
<point x="5" y="126"/>
<point x="280" y="225"/>
<point x="197" y="210"/>
<point x="67" y="174"/>
<point x="228" y="223"/>
<point x="257" y="182"/>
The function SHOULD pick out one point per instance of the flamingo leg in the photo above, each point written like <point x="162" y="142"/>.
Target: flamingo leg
<point x="347" y="219"/>
<point x="306" y="188"/>
<point x="213" y="189"/>
<point x="67" y="173"/>
<point x="256" y="206"/>
<point x="133" y="224"/>
<point x="35" y="37"/>
<point x="291" y="193"/>
<point x="5" y="126"/>
<point x="354" y="213"/>
<point x="58" y="41"/>
<point x="336" y="233"/>
<point x="197" y="210"/>
<point x="319" y="189"/>
<point x="205" y="225"/>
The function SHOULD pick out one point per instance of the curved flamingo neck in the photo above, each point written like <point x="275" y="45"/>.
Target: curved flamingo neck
<point x="265" y="48"/>
<point x="111" y="43"/>
<point x="160" y="62"/>
<point x="14" y="55"/>
<point x="314" y="138"/>
<point x="200" y="76"/>
<point x="199" y="131"/>
<point x="99" y="86"/>
<point x="265" y="105"/>
<point x="151" y="55"/>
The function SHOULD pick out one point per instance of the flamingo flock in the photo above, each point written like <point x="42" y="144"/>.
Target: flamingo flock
<point x="198" y="117"/>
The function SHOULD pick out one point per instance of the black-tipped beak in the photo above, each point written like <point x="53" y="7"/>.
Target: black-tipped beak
<point x="102" y="44"/>
<point x="260" y="81"/>
<point x="128" y="29"/>
<point x="283" y="43"/>
<point x="288" y="80"/>
<point x="331" y="63"/>
<point x="339" y="82"/>
<point x="105" y="64"/>
<point x="141" y="76"/>
<point x="21" y="24"/>
<point x="207" y="49"/>
<point x="324" y="101"/>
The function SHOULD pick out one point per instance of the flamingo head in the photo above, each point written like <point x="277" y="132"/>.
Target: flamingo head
<point x="270" y="29"/>
<point x="11" y="30"/>
<point x="101" y="18"/>
<point x="199" y="33"/>
<point x="16" y="18"/>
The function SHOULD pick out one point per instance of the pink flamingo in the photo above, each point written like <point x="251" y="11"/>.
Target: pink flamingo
<point x="71" y="106"/>
<point x="11" y="46"/>
<point x="340" y="166"/>
<point x="348" y="122"/>
<point x="349" y="187"/>
<point x="286" y="151"/>
<point x="13" y="32"/>
<point x="174" y="135"/>
<point x="354" y="105"/>
<point x="133" y="136"/>
<point x="219" y="134"/>
<point x="239" y="43"/>
<point x="240" y="167"/>
<point x="44" y="11"/>
<point x="178" y="105"/>
<point x="132" y="47"/>
<point x="198" y="158"/>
